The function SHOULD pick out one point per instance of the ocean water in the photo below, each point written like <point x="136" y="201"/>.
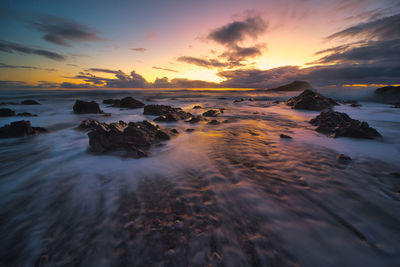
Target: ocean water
<point x="233" y="194"/>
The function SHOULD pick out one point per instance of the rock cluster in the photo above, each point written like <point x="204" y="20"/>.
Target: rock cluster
<point x="82" y="107"/>
<point x="135" y="137"/>
<point x="338" y="124"/>
<point x="166" y="113"/>
<point x="19" y="129"/>
<point x="30" y="102"/>
<point x="311" y="101"/>
<point x="211" y="113"/>
<point x="294" y="86"/>
<point x="6" y="112"/>
<point x="126" y="102"/>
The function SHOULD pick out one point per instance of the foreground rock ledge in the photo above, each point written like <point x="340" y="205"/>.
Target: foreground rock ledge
<point x="136" y="137"/>
<point x="338" y="124"/>
<point x="310" y="100"/>
<point x="19" y="129"/>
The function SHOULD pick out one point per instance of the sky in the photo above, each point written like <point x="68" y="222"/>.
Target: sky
<point x="208" y="43"/>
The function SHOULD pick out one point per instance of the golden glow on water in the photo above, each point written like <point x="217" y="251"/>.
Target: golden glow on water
<point x="369" y="85"/>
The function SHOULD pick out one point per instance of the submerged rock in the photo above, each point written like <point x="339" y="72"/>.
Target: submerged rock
<point x="214" y="122"/>
<point x="294" y="86"/>
<point x="6" y="112"/>
<point x="284" y="136"/>
<point x="30" y="102"/>
<point x="19" y="129"/>
<point x="352" y="103"/>
<point x="135" y="137"/>
<point x="311" y="101"/>
<point x="338" y="124"/>
<point x="166" y="113"/>
<point x="82" y="107"/>
<point x="26" y="114"/>
<point x="211" y="113"/>
<point x="342" y="158"/>
<point x="197" y="107"/>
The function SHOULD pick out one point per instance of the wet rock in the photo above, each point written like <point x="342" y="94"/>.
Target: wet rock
<point x="352" y="103"/>
<point x="19" y="129"/>
<point x="88" y="124"/>
<point x="111" y="101"/>
<point x="338" y="124"/>
<point x="82" y="107"/>
<point x="388" y="94"/>
<point x="26" y="114"/>
<point x="175" y="131"/>
<point x="196" y="119"/>
<point x="310" y="100"/>
<point x="342" y="158"/>
<point x="189" y="130"/>
<point x="214" y="122"/>
<point x="30" y="102"/>
<point x="240" y="100"/>
<point x="137" y="137"/>
<point x="8" y="103"/>
<point x="284" y="136"/>
<point x="129" y="102"/>
<point x="211" y="113"/>
<point x="294" y="86"/>
<point x="6" y="112"/>
<point x="166" y="113"/>
<point x="276" y="102"/>
<point x="197" y="107"/>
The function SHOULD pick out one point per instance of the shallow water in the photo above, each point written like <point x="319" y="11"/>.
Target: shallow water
<point x="232" y="194"/>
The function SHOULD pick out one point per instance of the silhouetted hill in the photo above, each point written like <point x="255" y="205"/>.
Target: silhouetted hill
<point x="294" y="86"/>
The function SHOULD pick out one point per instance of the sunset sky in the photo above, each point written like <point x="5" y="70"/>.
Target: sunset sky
<point x="208" y="43"/>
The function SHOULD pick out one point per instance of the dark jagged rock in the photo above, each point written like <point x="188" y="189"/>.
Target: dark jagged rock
<point x="82" y="107"/>
<point x="6" y="112"/>
<point x="338" y="124"/>
<point x="197" y="107"/>
<point x="30" y="102"/>
<point x="166" y="113"/>
<point x="137" y="137"/>
<point x="111" y="101"/>
<point x="92" y="124"/>
<point x="311" y="101"/>
<point x="214" y="122"/>
<point x="196" y="119"/>
<point x="26" y="114"/>
<point x="388" y="94"/>
<point x="341" y="158"/>
<point x="294" y="86"/>
<point x="352" y="103"/>
<point x="284" y="136"/>
<point x="158" y="110"/>
<point x="211" y="113"/>
<point x="129" y="102"/>
<point x="19" y="129"/>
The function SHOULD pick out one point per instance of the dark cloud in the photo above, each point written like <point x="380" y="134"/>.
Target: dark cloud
<point x="75" y="85"/>
<point x="60" y="30"/>
<point x="121" y="80"/>
<point x="138" y="49"/>
<point x="203" y="62"/>
<point x="237" y="31"/>
<point x="373" y="51"/>
<point x="380" y="29"/>
<point x="6" y="84"/>
<point x="10" y="47"/>
<point x="236" y="54"/>
<point x="166" y="69"/>
<point x="7" y="66"/>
